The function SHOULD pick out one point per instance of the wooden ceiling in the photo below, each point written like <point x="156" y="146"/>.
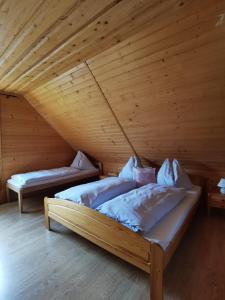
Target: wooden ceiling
<point x="40" y="39"/>
<point x="75" y="107"/>
<point x="160" y="65"/>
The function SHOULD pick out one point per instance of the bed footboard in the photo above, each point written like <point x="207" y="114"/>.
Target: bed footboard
<point x="100" y="230"/>
<point x="111" y="236"/>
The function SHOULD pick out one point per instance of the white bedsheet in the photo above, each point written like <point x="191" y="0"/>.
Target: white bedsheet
<point x="82" y="174"/>
<point x="165" y="230"/>
<point x="37" y="176"/>
<point x="95" y="193"/>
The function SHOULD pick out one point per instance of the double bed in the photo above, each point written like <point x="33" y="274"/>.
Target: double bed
<point x="150" y="251"/>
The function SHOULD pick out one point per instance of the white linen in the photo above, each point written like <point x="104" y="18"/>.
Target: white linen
<point x="95" y="193"/>
<point x="82" y="174"/>
<point x="81" y="162"/>
<point x="165" y="175"/>
<point x="127" y="170"/>
<point x="37" y="176"/>
<point x="172" y="174"/>
<point x="142" y="208"/>
<point x="181" y="179"/>
<point x="165" y="230"/>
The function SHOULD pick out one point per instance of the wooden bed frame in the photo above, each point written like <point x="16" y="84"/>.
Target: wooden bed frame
<point x="22" y="191"/>
<point x="117" y="239"/>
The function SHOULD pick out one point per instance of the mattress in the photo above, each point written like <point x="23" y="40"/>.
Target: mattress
<point x="165" y="230"/>
<point x="81" y="174"/>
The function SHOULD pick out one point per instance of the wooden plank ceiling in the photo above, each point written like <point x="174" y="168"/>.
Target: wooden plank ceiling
<point x="75" y="107"/>
<point x="43" y="38"/>
<point x="160" y="65"/>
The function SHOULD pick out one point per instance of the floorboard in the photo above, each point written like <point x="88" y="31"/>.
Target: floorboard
<point x="37" y="264"/>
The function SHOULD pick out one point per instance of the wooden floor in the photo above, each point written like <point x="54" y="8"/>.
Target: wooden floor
<point x="37" y="264"/>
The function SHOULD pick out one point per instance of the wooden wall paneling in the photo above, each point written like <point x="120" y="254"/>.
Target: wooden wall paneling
<point x="28" y="142"/>
<point x="112" y="111"/>
<point x="160" y="84"/>
<point x="77" y="110"/>
<point x="163" y="79"/>
<point x="168" y="92"/>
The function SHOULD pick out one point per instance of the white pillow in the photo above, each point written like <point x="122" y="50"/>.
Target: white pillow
<point x="127" y="171"/>
<point x="165" y="175"/>
<point x="181" y="179"/>
<point x="81" y="162"/>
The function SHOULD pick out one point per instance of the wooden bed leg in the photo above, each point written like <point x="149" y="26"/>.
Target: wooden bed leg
<point x="20" y="202"/>
<point x="156" y="272"/>
<point x="7" y="194"/>
<point x="47" y="219"/>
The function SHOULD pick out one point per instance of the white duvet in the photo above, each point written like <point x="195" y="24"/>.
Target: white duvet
<point x="37" y="176"/>
<point x="95" y="193"/>
<point x="142" y="208"/>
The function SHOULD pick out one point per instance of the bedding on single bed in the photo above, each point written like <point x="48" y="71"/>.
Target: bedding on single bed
<point x="37" y="176"/>
<point x="95" y="193"/>
<point x="140" y="209"/>
<point x="81" y="174"/>
<point x="80" y="163"/>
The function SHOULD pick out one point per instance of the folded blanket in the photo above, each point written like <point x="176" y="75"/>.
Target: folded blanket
<point x="142" y="208"/>
<point x="95" y="193"/>
<point x="37" y="176"/>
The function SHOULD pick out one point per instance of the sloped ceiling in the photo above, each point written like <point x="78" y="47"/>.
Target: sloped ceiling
<point x="42" y="38"/>
<point x="114" y="77"/>
<point x="75" y="107"/>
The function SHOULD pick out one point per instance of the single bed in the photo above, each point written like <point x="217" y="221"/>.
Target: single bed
<point x="150" y="252"/>
<point x="52" y="178"/>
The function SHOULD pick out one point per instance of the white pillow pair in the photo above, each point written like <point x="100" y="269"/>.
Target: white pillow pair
<point x="81" y="162"/>
<point x="172" y="174"/>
